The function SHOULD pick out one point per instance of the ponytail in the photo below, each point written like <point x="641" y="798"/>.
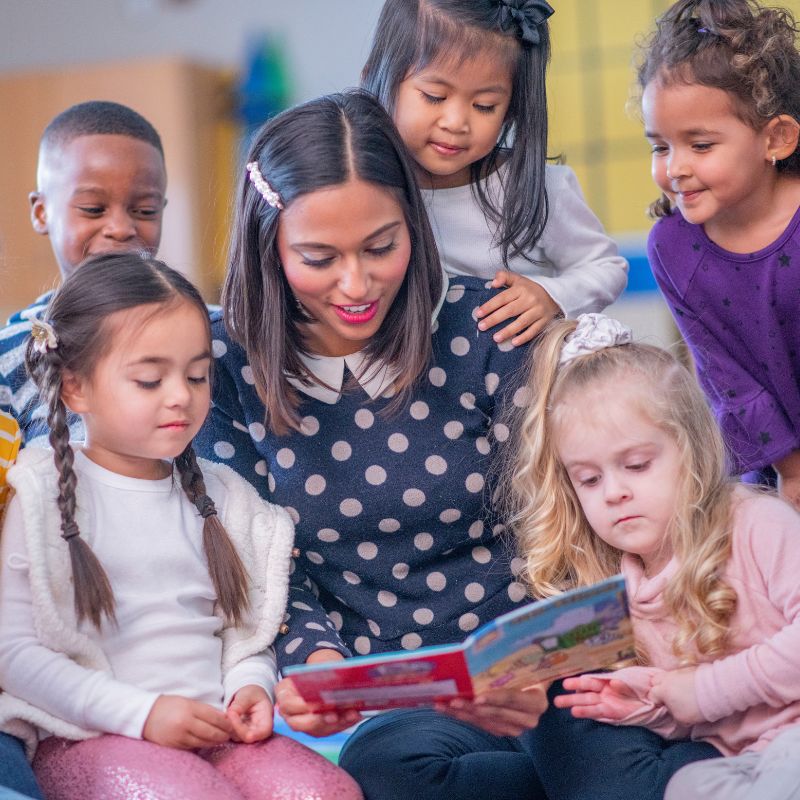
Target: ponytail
<point x="224" y="564"/>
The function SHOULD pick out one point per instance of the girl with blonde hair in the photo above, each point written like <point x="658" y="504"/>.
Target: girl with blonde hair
<point x="621" y="467"/>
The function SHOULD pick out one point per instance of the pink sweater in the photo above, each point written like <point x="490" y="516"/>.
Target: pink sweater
<point x="750" y="696"/>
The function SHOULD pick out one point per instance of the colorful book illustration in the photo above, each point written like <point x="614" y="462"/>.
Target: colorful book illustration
<point x="582" y="630"/>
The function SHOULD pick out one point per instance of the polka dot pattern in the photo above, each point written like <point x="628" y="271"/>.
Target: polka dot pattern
<point x="392" y="510"/>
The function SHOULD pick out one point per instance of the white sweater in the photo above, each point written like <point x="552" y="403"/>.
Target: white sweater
<point x="576" y="262"/>
<point x="73" y="681"/>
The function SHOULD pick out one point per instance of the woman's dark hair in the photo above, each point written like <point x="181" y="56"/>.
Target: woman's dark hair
<point x="739" y="46"/>
<point x="322" y="143"/>
<point x="412" y="34"/>
<point x="78" y="314"/>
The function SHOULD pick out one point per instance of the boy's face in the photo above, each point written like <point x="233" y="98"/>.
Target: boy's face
<point x="99" y="194"/>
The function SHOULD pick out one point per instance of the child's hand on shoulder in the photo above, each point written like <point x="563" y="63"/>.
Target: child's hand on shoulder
<point x="598" y="698"/>
<point x="186" y="724"/>
<point x="251" y="714"/>
<point x="675" y="690"/>
<point x="522" y="298"/>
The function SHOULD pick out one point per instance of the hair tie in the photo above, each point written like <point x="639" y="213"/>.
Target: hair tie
<point x="526" y="16"/>
<point x="69" y="530"/>
<point x="206" y="507"/>
<point x="264" y="189"/>
<point x="594" y="332"/>
<point x="44" y="336"/>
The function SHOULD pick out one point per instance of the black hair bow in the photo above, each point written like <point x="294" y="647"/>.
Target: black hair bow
<point x="526" y="16"/>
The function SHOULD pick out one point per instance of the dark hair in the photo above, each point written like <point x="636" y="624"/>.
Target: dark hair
<point x="412" y="34"/>
<point x="739" y="46"/>
<point x="78" y="314"/>
<point x="323" y="143"/>
<point x="99" y="117"/>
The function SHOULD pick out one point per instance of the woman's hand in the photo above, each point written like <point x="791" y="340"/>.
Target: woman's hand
<point x="675" y="690"/>
<point x="502" y="712"/>
<point x="185" y="724"/>
<point x="596" y="698"/>
<point x="251" y="714"/>
<point x="524" y="299"/>
<point x="297" y="713"/>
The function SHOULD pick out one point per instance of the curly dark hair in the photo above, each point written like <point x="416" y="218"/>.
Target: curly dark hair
<point x="745" y="49"/>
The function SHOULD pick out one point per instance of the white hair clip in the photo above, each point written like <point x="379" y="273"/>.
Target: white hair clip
<point x="594" y="332"/>
<point x="44" y="336"/>
<point x="264" y="189"/>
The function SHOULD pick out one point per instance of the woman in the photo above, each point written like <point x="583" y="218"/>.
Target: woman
<point x="352" y="388"/>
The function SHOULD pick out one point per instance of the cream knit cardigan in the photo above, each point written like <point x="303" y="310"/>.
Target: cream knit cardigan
<point x="262" y="533"/>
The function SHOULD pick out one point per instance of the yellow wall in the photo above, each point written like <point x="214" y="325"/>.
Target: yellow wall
<point x="591" y="81"/>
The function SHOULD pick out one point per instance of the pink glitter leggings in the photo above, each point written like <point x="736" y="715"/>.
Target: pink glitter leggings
<point x="118" y="768"/>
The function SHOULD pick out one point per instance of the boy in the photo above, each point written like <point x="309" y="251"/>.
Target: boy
<point x="101" y="181"/>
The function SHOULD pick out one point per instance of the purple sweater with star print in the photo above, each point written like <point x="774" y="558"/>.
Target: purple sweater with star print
<point x="740" y="315"/>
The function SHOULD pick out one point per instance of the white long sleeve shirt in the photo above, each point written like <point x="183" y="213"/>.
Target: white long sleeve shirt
<point x="575" y="261"/>
<point x="167" y="640"/>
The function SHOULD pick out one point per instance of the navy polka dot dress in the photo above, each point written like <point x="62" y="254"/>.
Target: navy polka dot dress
<point x="398" y="544"/>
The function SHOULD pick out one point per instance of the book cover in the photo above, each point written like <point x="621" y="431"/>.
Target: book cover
<point x="582" y="630"/>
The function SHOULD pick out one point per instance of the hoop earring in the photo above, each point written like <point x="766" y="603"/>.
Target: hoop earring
<point x="773" y="160"/>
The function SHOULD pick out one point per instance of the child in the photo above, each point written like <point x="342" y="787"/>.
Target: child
<point x="100" y="188"/>
<point x="152" y="659"/>
<point x="465" y="83"/>
<point x="621" y="466"/>
<point x="721" y="103"/>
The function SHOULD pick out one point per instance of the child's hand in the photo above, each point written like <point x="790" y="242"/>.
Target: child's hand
<point x="675" y="690"/>
<point x="250" y="713"/>
<point x="185" y="724"/>
<point x="502" y="712"/>
<point x="524" y="299"/>
<point x="595" y="698"/>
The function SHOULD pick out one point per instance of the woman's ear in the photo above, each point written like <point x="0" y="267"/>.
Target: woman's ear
<point x="783" y="133"/>
<point x="73" y="393"/>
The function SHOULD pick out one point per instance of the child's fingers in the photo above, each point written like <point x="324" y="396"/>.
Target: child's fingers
<point x="494" y="304"/>
<point x="576" y="699"/>
<point x="240" y="728"/>
<point x="501" y="278"/>
<point x="213" y="717"/>
<point x="207" y="733"/>
<point x="584" y="683"/>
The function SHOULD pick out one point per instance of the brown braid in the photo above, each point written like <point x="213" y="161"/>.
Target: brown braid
<point x="224" y="564"/>
<point x="92" y="589"/>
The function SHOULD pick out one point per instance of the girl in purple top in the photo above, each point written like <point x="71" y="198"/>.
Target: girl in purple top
<point x="721" y="100"/>
<point x="620" y="467"/>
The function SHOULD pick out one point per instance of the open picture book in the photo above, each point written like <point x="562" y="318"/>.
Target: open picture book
<point x="583" y="630"/>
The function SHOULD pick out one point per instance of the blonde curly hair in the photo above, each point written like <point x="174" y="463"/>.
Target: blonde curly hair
<point x="558" y="546"/>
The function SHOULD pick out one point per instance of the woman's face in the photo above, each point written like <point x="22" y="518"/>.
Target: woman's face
<point x="345" y="251"/>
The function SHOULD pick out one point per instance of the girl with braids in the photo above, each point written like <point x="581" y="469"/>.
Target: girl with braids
<point x="720" y="88"/>
<point x="464" y="81"/>
<point x="135" y="646"/>
<point x="620" y="466"/>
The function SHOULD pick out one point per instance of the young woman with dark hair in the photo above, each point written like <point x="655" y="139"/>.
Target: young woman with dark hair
<point x="352" y="388"/>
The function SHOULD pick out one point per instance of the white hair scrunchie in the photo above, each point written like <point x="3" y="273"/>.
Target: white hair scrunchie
<point x="594" y="332"/>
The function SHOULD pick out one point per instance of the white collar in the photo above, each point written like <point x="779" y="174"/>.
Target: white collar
<point x="375" y="380"/>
